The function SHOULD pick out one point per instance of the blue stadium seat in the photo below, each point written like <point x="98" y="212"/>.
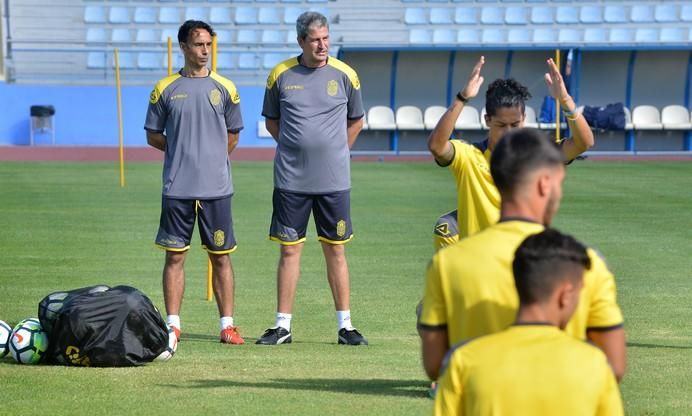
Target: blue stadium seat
<point x="119" y="15"/>
<point x="686" y="13"/>
<point x="437" y="1"/>
<point x="248" y="61"/>
<point x="441" y="16"/>
<point x="666" y="13"/>
<point x="493" y="36"/>
<point x="169" y="15"/>
<point x="291" y="15"/>
<point x="126" y="60"/>
<point x="147" y="35"/>
<point x="149" y="60"/>
<point x="271" y="36"/>
<point x="412" y="1"/>
<point x="196" y="13"/>
<point x="419" y="36"/>
<point x="145" y="15"/>
<point x="291" y="37"/>
<point x="491" y="15"/>
<point x="220" y="15"/>
<point x="519" y="35"/>
<point x="542" y="15"/>
<point x="94" y="14"/>
<point x="96" y="34"/>
<point x="512" y="1"/>
<point x="290" y="1"/>
<point x="591" y="14"/>
<point x="615" y="14"/>
<point x="516" y="16"/>
<point x="642" y="13"/>
<point x="415" y="16"/>
<point x="621" y="35"/>
<point x="569" y="36"/>
<point x="224" y="36"/>
<point x="536" y="1"/>
<point x="270" y="60"/>
<point x="169" y="32"/>
<point x="468" y="36"/>
<point x="177" y="61"/>
<point x="444" y="36"/>
<point x="567" y="14"/>
<point x="646" y="35"/>
<point x="190" y="1"/>
<point x="462" y="1"/>
<point x="595" y="35"/>
<point x="317" y="1"/>
<point x="96" y="60"/>
<point x="269" y="15"/>
<point x="225" y="60"/>
<point x="544" y="35"/>
<point x="121" y="35"/>
<point x="673" y="35"/>
<point x="466" y="16"/>
<point x="245" y="16"/>
<point x="247" y="36"/>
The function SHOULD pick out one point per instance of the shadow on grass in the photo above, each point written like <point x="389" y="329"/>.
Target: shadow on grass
<point x="378" y="387"/>
<point x="248" y="340"/>
<point x="675" y="347"/>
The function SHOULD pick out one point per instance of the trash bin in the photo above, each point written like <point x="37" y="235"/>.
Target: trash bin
<point x="42" y="122"/>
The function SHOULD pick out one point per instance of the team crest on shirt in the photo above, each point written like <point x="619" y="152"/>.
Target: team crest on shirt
<point x="442" y="229"/>
<point x="215" y="97"/>
<point x="332" y="88"/>
<point x="341" y="228"/>
<point x="219" y="238"/>
<point x="154" y="96"/>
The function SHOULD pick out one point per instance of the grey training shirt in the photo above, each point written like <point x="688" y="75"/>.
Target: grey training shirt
<point x="312" y="106"/>
<point x="196" y="115"/>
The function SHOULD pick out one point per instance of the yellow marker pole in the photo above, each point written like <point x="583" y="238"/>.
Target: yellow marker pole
<point x="557" y="102"/>
<point x="210" y="284"/>
<point x="120" y="120"/>
<point x="170" y="56"/>
<point x="214" y="49"/>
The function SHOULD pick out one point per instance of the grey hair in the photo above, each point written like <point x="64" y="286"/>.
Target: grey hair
<point x="310" y="20"/>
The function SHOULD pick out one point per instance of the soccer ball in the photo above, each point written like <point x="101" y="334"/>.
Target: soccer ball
<point x="29" y="342"/>
<point x="5" y="333"/>
<point x="172" y="346"/>
<point x="49" y="308"/>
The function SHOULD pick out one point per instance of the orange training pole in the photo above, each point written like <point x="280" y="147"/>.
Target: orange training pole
<point x="120" y="120"/>
<point x="170" y="56"/>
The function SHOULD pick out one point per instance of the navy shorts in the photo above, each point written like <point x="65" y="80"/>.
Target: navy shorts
<point x="332" y="214"/>
<point x="213" y="218"/>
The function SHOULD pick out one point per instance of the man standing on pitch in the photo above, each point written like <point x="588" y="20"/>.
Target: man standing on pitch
<point x="194" y="118"/>
<point x="313" y="109"/>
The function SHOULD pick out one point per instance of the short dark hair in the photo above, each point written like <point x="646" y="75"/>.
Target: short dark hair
<point x="520" y="152"/>
<point x="505" y="93"/>
<point x="543" y="260"/>
<point x="309" y="19"/>
<point x="189" y="26"/>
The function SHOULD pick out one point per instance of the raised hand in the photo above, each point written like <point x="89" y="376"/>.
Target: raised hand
<point x="555" y="83"/>
<point x="475" y="80"/>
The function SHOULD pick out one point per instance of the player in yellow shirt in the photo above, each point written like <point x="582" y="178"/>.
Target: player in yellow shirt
<point x="478" y="202"/>
<point x="469" y="289"/>
<point x="534" y="368"/>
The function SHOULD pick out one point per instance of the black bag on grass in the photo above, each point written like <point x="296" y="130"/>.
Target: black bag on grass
<point x="102" y="327"/>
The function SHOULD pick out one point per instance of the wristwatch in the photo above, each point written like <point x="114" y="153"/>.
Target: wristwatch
<point x="462" y="98"/>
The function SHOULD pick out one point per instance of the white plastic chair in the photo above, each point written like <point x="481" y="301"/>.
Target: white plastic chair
<point x="409" y="117"/>
<point x="432" y="115"/>
<point x="530" y="118"/>
<point x="468" y="119"/>
<point x="646" y="117"/>
<point x="675" y="117"/>
<point x="381" y="118"/>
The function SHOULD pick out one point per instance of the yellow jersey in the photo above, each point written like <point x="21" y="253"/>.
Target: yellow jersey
<point x="478" y="200"/>
<point x="533" y="369"/>
<point x="470" y="291"/>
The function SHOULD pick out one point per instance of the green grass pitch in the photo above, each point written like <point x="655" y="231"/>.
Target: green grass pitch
<point x="68" y="225"/>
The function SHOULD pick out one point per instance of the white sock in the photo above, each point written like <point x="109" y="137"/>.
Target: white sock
<point x="173" y="320"/>
<point x="226" y="321"/>
<point x="343" y="319"/>
<point x="284" y="320"/>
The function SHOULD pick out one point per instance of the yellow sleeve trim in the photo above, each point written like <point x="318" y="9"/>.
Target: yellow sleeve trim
<point x="228" y="84"/>
<point x="350" y="73"/>
<point x="160" y="87"/>
<point x="280" y="69"/>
